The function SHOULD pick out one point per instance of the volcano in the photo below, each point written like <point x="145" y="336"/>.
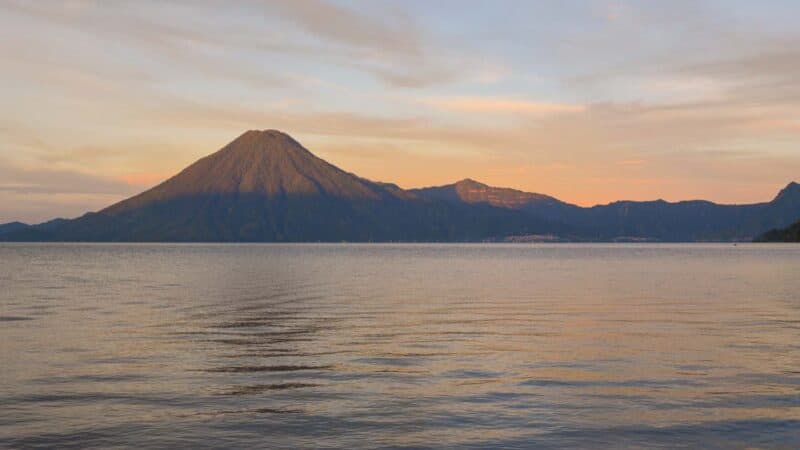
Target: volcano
<point x="266" y="187"/>
<point x="268" y="164"/>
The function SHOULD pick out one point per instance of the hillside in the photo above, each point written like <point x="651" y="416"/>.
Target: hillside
<point x="788" y="234"/>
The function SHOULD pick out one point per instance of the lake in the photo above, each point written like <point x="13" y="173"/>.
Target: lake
<point x="455" y="346"/>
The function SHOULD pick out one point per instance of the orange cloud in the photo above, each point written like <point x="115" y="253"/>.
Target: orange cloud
<point x="631" y="162"/>
<point x="501" y="105"/>
<point x="144" y="178"/>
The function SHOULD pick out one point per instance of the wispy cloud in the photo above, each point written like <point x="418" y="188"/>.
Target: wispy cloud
<point x="145" y="179"/>
<point x="391" y="47"/>
<point x="331" y="22"/>
<point x="501" y="105"/>
<point x="45" y="181"/>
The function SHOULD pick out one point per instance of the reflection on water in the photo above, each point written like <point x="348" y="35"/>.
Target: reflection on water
<point x="602" y="346"/>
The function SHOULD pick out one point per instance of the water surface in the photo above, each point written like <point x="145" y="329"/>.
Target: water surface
<point x="458" y="346"/>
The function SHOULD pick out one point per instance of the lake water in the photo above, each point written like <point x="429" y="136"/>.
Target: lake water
<point x="457" y="346"/>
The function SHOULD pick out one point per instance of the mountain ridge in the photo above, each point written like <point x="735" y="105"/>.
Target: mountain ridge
<point x="265" y="186"/>
<point x="11" y="227"/>
<point x="686" y="220"/>
<point x="472" y="191"/>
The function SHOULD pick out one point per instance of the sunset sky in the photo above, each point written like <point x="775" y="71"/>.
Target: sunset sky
<point x="588" y="101"/>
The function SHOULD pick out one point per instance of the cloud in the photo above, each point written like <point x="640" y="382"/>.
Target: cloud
<point x="414" y="77"/>
<point x="631" y="162"/>
<point x="389" y="47"/>
<point x="332" y="22"/>
<point x="37" y="207"/>
<point x="501" y="105"/>
<point x="46" y="181"/>
<point x="34" y="195"/>
<point x="541" y="131"/>
<point x="180" y="46"/>
<point x="768" y="77"/>
<point x="613" y="12"/>
<point x="145" y="179"/>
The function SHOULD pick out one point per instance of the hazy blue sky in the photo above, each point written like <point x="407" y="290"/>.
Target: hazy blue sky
<point x="589" y="101"/>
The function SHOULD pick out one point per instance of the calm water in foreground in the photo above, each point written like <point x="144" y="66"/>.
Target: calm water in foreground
<point x="286" y="346"/>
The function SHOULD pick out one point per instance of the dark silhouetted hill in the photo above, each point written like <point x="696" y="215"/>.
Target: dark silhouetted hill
<point x="788" y="234"/>
<point x="11" y="227"/>
<point x="696" y="220"/>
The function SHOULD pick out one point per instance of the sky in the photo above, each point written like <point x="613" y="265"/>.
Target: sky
<point x="587" y="101"/>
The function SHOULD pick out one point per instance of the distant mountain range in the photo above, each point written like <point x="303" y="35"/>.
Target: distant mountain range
<point x="695" y="220"/>
<point x="24" y="229"/>
<point x="266" y="187"/>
